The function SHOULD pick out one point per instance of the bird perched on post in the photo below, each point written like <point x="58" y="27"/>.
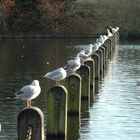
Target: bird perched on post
<point x="72" y="65"/>
<point x="100" y="39"/>
<point x="56" y="75"/>
<point x="95" y="47"/>
<point x="85" y="53"/>
<point x="29" y="92"/>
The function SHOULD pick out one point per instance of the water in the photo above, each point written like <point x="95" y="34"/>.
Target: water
<point x="113" y="116"/>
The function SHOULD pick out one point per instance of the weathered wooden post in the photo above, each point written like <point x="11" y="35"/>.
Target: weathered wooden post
<point x="109" y="48"/>
<point x="105" y="45"/>
<point x="57" y="112"/>
<point x="84" y="72"/>
<point x="91" y="64"/>
<point x="31" y="124"/>
<point x="100" y="53"/>
<point x="96" y="59"/>
<point x="117" y="37"/>
<point x="104" y="57"/>
<point x="73" y="85"/>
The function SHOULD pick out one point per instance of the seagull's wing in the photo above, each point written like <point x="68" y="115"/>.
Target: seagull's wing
<point x="26" y="92"/>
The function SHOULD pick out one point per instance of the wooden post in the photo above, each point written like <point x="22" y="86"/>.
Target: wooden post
<point x="105" y="45"/>
<point x="31" y="124"/>
<point x="104" y="57"/>
<point x="109" y="48"/>
<point x="96" y="59"/>
<point x="117" y="37"/>
<point x="91" y="64"/>
<point x="57" y="112"/>
<point x="100" y="53"/>
<point x="73" y="85"/>
<point x="84" y="72"/>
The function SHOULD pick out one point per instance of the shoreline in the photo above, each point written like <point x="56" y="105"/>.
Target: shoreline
<point x="46" y="36"/>
<point x="43" y="36"/>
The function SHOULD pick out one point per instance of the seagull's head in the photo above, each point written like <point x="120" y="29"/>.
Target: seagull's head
<point x="35" y="83"/>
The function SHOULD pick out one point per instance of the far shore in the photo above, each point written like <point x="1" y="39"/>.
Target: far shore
<point x="42" y="36"/>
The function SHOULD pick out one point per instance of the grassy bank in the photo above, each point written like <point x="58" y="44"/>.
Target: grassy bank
<point x="84" y="18"/>
<point x="98" y="14"/>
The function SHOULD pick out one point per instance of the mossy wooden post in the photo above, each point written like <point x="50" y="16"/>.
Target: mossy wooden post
<point x="96" y="59"/>
<point x="104" y="57"/>
<point x="91" y="64"/>
<point x="100" y="53"/>
<point x="117" y="38"/>
<point x="84" y="72"/>
<point x="73" y="85"/>
<point x="31" y="124"/>
<point x="105" y="45"/>
<point x="57" y="112"/>
<point x="112" y="44"/>
<point x="109" y="48"/>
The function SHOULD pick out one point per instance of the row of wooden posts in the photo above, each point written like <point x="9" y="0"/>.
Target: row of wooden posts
<point x="70" y="99"/>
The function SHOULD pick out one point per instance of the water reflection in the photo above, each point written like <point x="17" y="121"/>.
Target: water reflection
<point x="116" y="110"/>
<point x="115" y="113"/>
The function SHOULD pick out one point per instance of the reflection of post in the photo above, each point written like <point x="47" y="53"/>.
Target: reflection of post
<point x="73" y="85"/>
<point x="91" y="64"/>
<point x="73" y="127"/>
<point x="57" y="112"/>
<point x="31" y="124"/>
<point x="84" y="72"/>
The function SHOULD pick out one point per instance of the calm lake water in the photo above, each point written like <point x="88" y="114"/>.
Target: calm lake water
<point x="115" y="114"/>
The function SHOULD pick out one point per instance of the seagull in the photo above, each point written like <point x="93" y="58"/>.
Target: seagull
<point x="109" y="34"/>
<point x="117" y="28"/>
<point x="105" y="37"/>
<point x="100" y="39"/>
<point x="72" y="65"/>
<point x="88" y="49"/>
<point x="56" y="75"/>
<point x="84" y="56"/>
<point x="98" y="43"/>
<point x="95" y="47"/>
<point x="29" y="92"/>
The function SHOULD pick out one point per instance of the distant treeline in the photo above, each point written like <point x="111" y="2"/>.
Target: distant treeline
<point x="69" y="17"/>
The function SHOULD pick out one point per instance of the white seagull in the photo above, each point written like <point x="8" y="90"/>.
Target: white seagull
<point x="84" y="56"/>
<point x="109" y="34"/>
<point x="117" y="28"/>
<point x="72" y="65"/>
<point x="56" y="75"/>
<point x="105" y="37"/>
<point x="29" y="92"/>
<point x="88" y="49"/>
<point x="100" y="39"/>
<point x="95" y="47"/>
